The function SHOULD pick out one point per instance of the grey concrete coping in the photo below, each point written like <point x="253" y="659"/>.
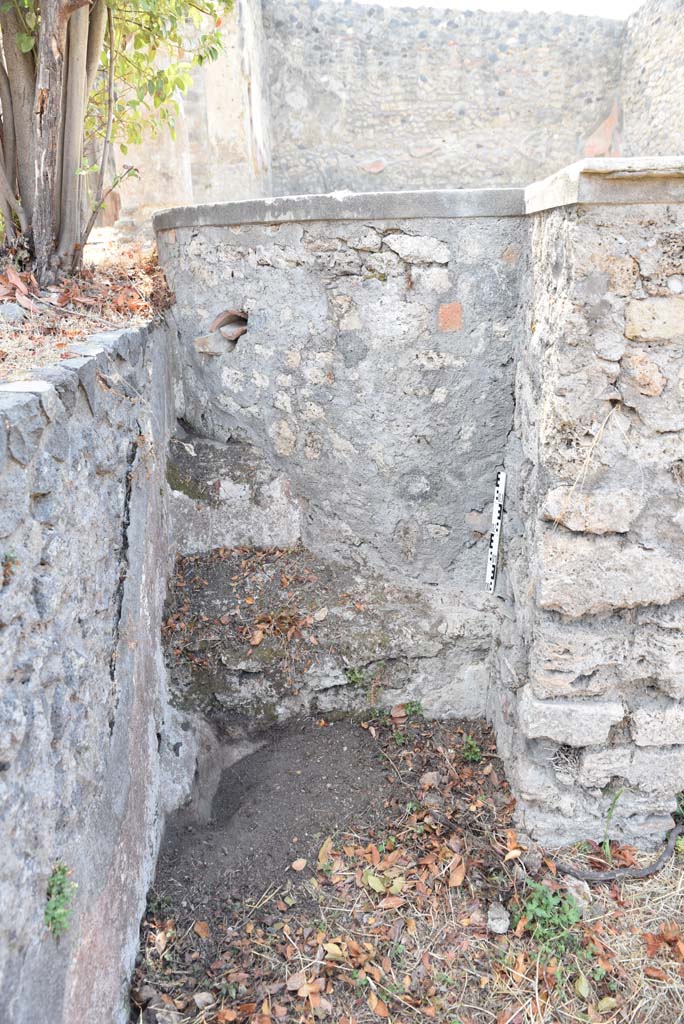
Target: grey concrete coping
<point x="609" y="180"/>
<point x="375" y="206"/>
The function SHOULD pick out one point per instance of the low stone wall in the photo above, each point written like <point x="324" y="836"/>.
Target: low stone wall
<point x="84" y="553"/>
<point x="389" y="338"/>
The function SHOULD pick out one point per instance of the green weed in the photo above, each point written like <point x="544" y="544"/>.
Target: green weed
<point x="60" y="894"/>
<point x="471" y="751"/>
<point x="550" y="919"/>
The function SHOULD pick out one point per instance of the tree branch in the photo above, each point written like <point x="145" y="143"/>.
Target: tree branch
<point x="8" y="201"/>
<point x="73" y="114"/>
<point x="96" y="35"/>
<point x="106" y="145"/>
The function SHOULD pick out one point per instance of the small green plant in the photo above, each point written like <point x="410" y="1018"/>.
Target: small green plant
<point x="470" y="750"/>
<point x="679" y="813"/>
<point x="414" y="709"/>
<point x="60" y="893"/>
<point x="550" y="919"/>
<point x="355" y="676"/>
<point x="399" y="738"/>
<point x="156" y="903"/>
<point x="608" y="853"/>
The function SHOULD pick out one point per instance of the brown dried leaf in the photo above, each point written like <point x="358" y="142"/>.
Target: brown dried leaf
<point x="457" y="875"/>
<point x="256" y="637"/>
<point x="14" y="278"/>
<point x="325" y="852"/>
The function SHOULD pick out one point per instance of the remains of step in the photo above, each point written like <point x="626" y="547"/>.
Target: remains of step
<point x="225" y="495"/>
<point x="257" y="636"/>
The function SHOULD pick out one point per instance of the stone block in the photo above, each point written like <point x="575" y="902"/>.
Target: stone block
<point x="657" y="319"/>
<point x="579" y="575"/>
<point x="450" y="316"/>
<point x="658" y="726"/>
<point x="643" y="374"/>
<point x="418" y="248"/>
<point x="579" y="723"/>
<point x="21" y="412"/>
<point x="649" y="770"/>
<point x="595" y="512"/>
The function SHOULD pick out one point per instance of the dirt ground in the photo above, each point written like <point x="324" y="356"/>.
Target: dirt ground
<point x="362" y="871"/>
<point x="276" y="805"/>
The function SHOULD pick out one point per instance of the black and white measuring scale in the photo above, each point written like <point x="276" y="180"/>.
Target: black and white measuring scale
<point x="495" y="536"/>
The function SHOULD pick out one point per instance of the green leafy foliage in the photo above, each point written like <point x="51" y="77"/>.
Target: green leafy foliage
<point x="471" y="751"/>
<point x="60" y="894"/>
<point x="157" y="45"/>
<point x="355" y="676"/>
<point x="550" y="919"/>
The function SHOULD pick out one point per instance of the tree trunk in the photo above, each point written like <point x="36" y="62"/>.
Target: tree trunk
<point x="46" y="126"/>
<point x="9" y="135"/>
<point x="21" y="72"/>
<point x="72" y="150"/>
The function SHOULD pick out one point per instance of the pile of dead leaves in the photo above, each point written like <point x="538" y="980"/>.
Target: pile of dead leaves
<point x="126" y="288"/>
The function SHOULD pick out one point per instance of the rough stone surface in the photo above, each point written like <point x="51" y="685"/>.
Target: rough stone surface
<point x="658" y="726"/>
<point x="653" y="79"/>
<point x="352" y="436"/>
<point x="11" y="312"/>
<point x="227" y="495"/>
<point x="498" y="919"/>
<point x="597" y="572"/>
<point x="412" y="97"/>
<point x="419" y="98"/>
<point x="573" y="723"/>
<point x="84" y="557"/>
<point x="388" y="427"/>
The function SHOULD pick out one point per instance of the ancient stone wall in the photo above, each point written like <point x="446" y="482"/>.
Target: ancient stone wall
<point x="400" y="348"/>
<point x="313" y="96"/>
<point x="84" y="552"/>
<point x="387" y="337"/>
<point x="653" y="80"/>
<point x="367" y="97"/>
<point x="364" y="412"/>
<point x="599" y="591"/>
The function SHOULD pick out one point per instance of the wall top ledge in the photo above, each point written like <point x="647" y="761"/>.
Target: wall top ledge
<point x="610" y="180"/>
<point x="658" y="179"/>
<point x="427" y="204"/>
